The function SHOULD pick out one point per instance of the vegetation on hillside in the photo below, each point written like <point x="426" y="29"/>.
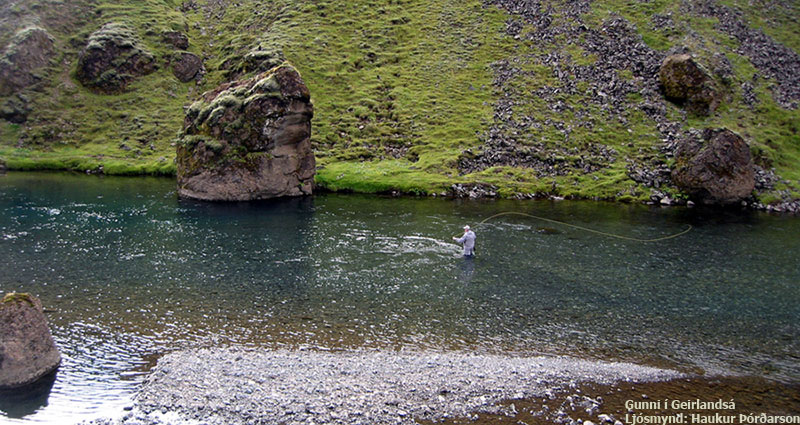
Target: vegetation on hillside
<point x="402" y="89"/>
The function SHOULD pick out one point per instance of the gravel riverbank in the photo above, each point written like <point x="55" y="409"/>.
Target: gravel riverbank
<point x="244" y="386"/>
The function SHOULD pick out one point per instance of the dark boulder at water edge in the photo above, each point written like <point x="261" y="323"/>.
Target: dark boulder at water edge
<point x="248" y="139"/>
<point x="112" y="59"/>
<point x="715" y="170"/>
<point x="27" y="350"/>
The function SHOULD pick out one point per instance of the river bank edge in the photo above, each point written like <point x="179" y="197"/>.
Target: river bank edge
<point x="471" y="191"/>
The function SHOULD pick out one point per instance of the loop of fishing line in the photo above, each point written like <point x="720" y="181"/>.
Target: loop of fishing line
<point x="613" y="235"/>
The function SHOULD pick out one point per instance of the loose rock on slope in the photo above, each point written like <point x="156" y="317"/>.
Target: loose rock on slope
<point x="249" y="139"/>
<point x="27" y="350"/>
<point x="685" y="81"/>
<point x="187" y="67"/>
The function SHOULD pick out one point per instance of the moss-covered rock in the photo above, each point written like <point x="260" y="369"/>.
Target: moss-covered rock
<point x="112" y="58"/>
<point x="249" y="139"/>
<point x="27" y="349"/>
<point x="29" y="50"/>
<point x="686" y="82"/>
<point x="717" y="169"/>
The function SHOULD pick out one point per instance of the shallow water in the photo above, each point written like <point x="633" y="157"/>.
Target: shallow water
<point x="128" y="272"/>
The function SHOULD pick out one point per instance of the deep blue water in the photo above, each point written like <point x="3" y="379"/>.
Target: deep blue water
<point x="127" y="272"/>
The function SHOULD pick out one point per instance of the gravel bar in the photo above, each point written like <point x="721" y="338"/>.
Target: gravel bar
<point x="255" y="386"/>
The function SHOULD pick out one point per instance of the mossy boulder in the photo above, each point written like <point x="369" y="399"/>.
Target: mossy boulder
<point x="27" y="350"/>
<point x="687" y="83"/>
<point x="29" y="50"/>
<point x="112" y="59"/>
<point x="248" y="139"/>
<point x="187" y="67"/>
<point x="716" y="169"/>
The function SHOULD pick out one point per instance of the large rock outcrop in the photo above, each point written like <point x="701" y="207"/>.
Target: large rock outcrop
<point x="29" y="50"/>
<point x="686" y="82"/>
<point x="249" y="139"/>
<point x="715" y="170"/>
<point x="112" y="59"/>
<point x="27" y="350"/>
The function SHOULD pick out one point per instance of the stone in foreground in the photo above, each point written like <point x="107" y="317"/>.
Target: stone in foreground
<point x="248" y="140"/>
<point x="717" y="170"/>
<point x="686" y="82"/>
<point x="27" y="350"/>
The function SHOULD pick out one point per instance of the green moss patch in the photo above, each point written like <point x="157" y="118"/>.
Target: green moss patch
<point x="18" y="297"/>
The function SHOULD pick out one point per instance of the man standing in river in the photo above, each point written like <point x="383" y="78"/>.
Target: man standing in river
<point x="468" y="240"/>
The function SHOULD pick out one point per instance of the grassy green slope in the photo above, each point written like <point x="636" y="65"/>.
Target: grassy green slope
<point x="400" y="88"/>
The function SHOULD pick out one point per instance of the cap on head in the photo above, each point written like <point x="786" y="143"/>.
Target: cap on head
<point x="466" y="227"/>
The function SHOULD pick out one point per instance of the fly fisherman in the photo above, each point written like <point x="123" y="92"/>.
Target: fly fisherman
<point x="468" y="240"/>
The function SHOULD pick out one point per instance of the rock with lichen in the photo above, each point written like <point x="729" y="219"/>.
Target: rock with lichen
<point x="29" y="50"/>
<point x="113" y="58"/>
<point x="248" y="139"/>
<point x="27" y="350"/>
<point x="716" y="169"/>
<point x="187" y="67"/>
<point x="686" y="82"/>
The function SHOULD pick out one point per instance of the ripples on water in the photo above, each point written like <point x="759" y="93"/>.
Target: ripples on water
<point x="128" y="272"/>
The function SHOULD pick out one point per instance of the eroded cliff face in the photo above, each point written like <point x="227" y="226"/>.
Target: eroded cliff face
<point x="248" y="139"/>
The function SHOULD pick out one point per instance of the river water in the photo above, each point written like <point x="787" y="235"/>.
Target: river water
<point x="128" y="272"/>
